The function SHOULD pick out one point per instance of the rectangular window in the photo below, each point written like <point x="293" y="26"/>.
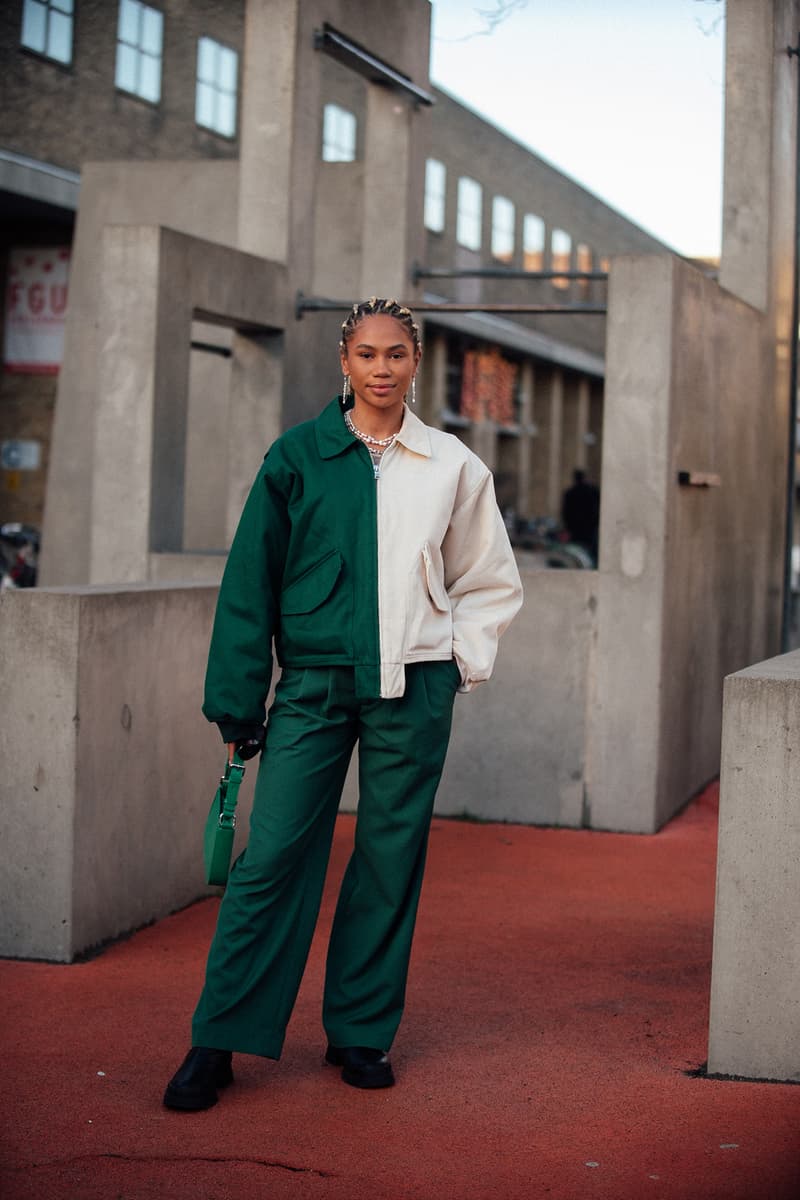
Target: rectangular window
<point x="583" y="262"/>
<point x="560" y="255"/>
<point x="338" y="134"/>
<point x="47" y="28"/>
<point x="140" y="37"/>
<point x="533" y="242"/>
<point x="502" y="229"/>
<point x="435" y="189"/>
<point x="470" y="210"/>
<point x="217" y="75"/>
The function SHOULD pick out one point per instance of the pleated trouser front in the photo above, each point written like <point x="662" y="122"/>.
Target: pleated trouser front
<point x="271" y="903"/>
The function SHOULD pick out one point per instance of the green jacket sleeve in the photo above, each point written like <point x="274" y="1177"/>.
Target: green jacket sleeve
<point x="240" y="656"/>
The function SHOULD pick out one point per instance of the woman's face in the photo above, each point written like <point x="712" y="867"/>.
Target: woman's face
<point x="381" y="360"/>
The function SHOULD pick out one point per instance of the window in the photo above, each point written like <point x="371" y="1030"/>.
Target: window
<point x="217" y="72"/>
<point x="583" y="259"/>
<point x="533" y="243"/>
<point x="338" y="135"/>
<point x="47" y="28"/>
<point x="502" y="229"/>
<point x="560" y="255"/>
<point x="140" y="34"/>
<point x="435" y="187"/>
<point x="468" y="221"/>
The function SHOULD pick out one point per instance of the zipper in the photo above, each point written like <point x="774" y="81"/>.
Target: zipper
<point x="378" y="544"/>
<point x="375" y="565"/>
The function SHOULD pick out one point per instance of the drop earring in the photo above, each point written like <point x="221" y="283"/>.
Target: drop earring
<point x="345" y="391"/>
<point x="414" y="390"/>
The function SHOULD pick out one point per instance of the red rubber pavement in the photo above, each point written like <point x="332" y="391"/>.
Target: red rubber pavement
<point x="559" y="993"/>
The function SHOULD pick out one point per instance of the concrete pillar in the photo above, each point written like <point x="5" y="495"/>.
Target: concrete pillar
<point x="685" y="505"/>
<point x="526" y="386"/>
<point x="432" y="378"/>
<point x="122" y="451"/>
<point x="199" y="198"/>
<point x="758" y="209"/>
<point x="570" y="432"/>
<point x="582" y="422"/>
<point x="754" y="1028"/>
<point x="540" y="452"/>
<point x="483" y="441"/>
<point x="267" y="127"/>
<point x="626" y="713"/>
<point x="554" y="446"/>
<point x="387" y="173"/>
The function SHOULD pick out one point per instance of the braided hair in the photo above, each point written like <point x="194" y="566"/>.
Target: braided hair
<point x="380" y="308"/>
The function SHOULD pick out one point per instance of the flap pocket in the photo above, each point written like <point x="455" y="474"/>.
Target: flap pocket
<point x="313" y="587"/>
<point x="434" y="580"/>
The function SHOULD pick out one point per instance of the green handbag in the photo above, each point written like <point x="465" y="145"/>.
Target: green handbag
<point x="221" y="823"/>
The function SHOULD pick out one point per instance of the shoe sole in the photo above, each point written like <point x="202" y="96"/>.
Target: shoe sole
<point x="173" y="1098"/>
<point x="188" y="1103"/>
<point x="356" y="1078"/>
<point x="360" y="1081"/>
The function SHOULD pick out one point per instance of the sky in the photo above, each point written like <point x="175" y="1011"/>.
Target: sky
<point x="624" y="96"/>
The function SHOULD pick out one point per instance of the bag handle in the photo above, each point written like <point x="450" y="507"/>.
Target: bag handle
<point x="229" y="787"/>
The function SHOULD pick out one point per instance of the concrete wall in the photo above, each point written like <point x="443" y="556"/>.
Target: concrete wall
<point x="517" y="751"/>
<point x="754" y="1028"/>
<point x="109" y="767"/>
<point x="758" y="236"/>
<point x="688" y="387"/>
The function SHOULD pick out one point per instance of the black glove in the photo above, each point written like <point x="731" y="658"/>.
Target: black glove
<point x="250" y="747"/>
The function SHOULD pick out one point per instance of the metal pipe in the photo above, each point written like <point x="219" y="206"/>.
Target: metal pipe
<point x="304" y="304"/>
<point x="418" y="272"/>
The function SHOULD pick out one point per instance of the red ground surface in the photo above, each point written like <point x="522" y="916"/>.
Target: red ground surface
<point x="559" y="993"/>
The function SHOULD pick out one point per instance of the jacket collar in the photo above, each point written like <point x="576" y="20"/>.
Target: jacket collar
<point x="333" y="436"/>
<point x="414" y="434"/>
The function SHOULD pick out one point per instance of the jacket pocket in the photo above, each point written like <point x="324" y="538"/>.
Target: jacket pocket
<point x="434" y="582"/>
<point x="316" y="618"/>
<point x="313" y="587"/>
<point x="429" y="620"/>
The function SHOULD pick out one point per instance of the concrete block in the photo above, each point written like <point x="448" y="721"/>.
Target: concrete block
<point x="517" y="748"/>
<point x="109" y="767"/>
<point x="754" y="1028"/>
<point x="518" y="745"/>
<point x="685" y="360"/>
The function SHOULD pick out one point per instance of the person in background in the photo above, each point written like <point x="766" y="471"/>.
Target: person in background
<point x="580" y="512"/>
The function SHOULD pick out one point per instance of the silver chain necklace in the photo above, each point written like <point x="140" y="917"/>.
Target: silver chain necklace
<point x="367" y="438"/>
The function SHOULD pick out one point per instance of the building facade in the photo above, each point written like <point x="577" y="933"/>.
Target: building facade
<point x="174" y="92"/>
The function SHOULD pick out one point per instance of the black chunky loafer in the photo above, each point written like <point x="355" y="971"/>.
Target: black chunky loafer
<point x="194" y="1085"/>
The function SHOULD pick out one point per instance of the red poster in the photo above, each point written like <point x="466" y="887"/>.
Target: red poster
<point x="487" y="388"/>
<point x="36" y="306"/>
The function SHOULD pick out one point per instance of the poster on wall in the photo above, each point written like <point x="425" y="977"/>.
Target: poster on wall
<point x="36" y="306"/>
<point x="487" y="387"/>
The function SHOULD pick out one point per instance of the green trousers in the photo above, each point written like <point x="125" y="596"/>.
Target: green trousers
<point x="271" y="903"/>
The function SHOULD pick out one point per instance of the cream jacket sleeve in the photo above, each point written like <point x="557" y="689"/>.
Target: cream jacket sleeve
<point x="482" y="582"/>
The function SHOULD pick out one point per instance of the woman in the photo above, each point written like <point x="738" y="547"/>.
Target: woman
<point x="372" y="552"/>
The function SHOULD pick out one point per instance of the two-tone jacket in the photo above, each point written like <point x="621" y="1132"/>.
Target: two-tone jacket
<point x="338" y="568"/>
